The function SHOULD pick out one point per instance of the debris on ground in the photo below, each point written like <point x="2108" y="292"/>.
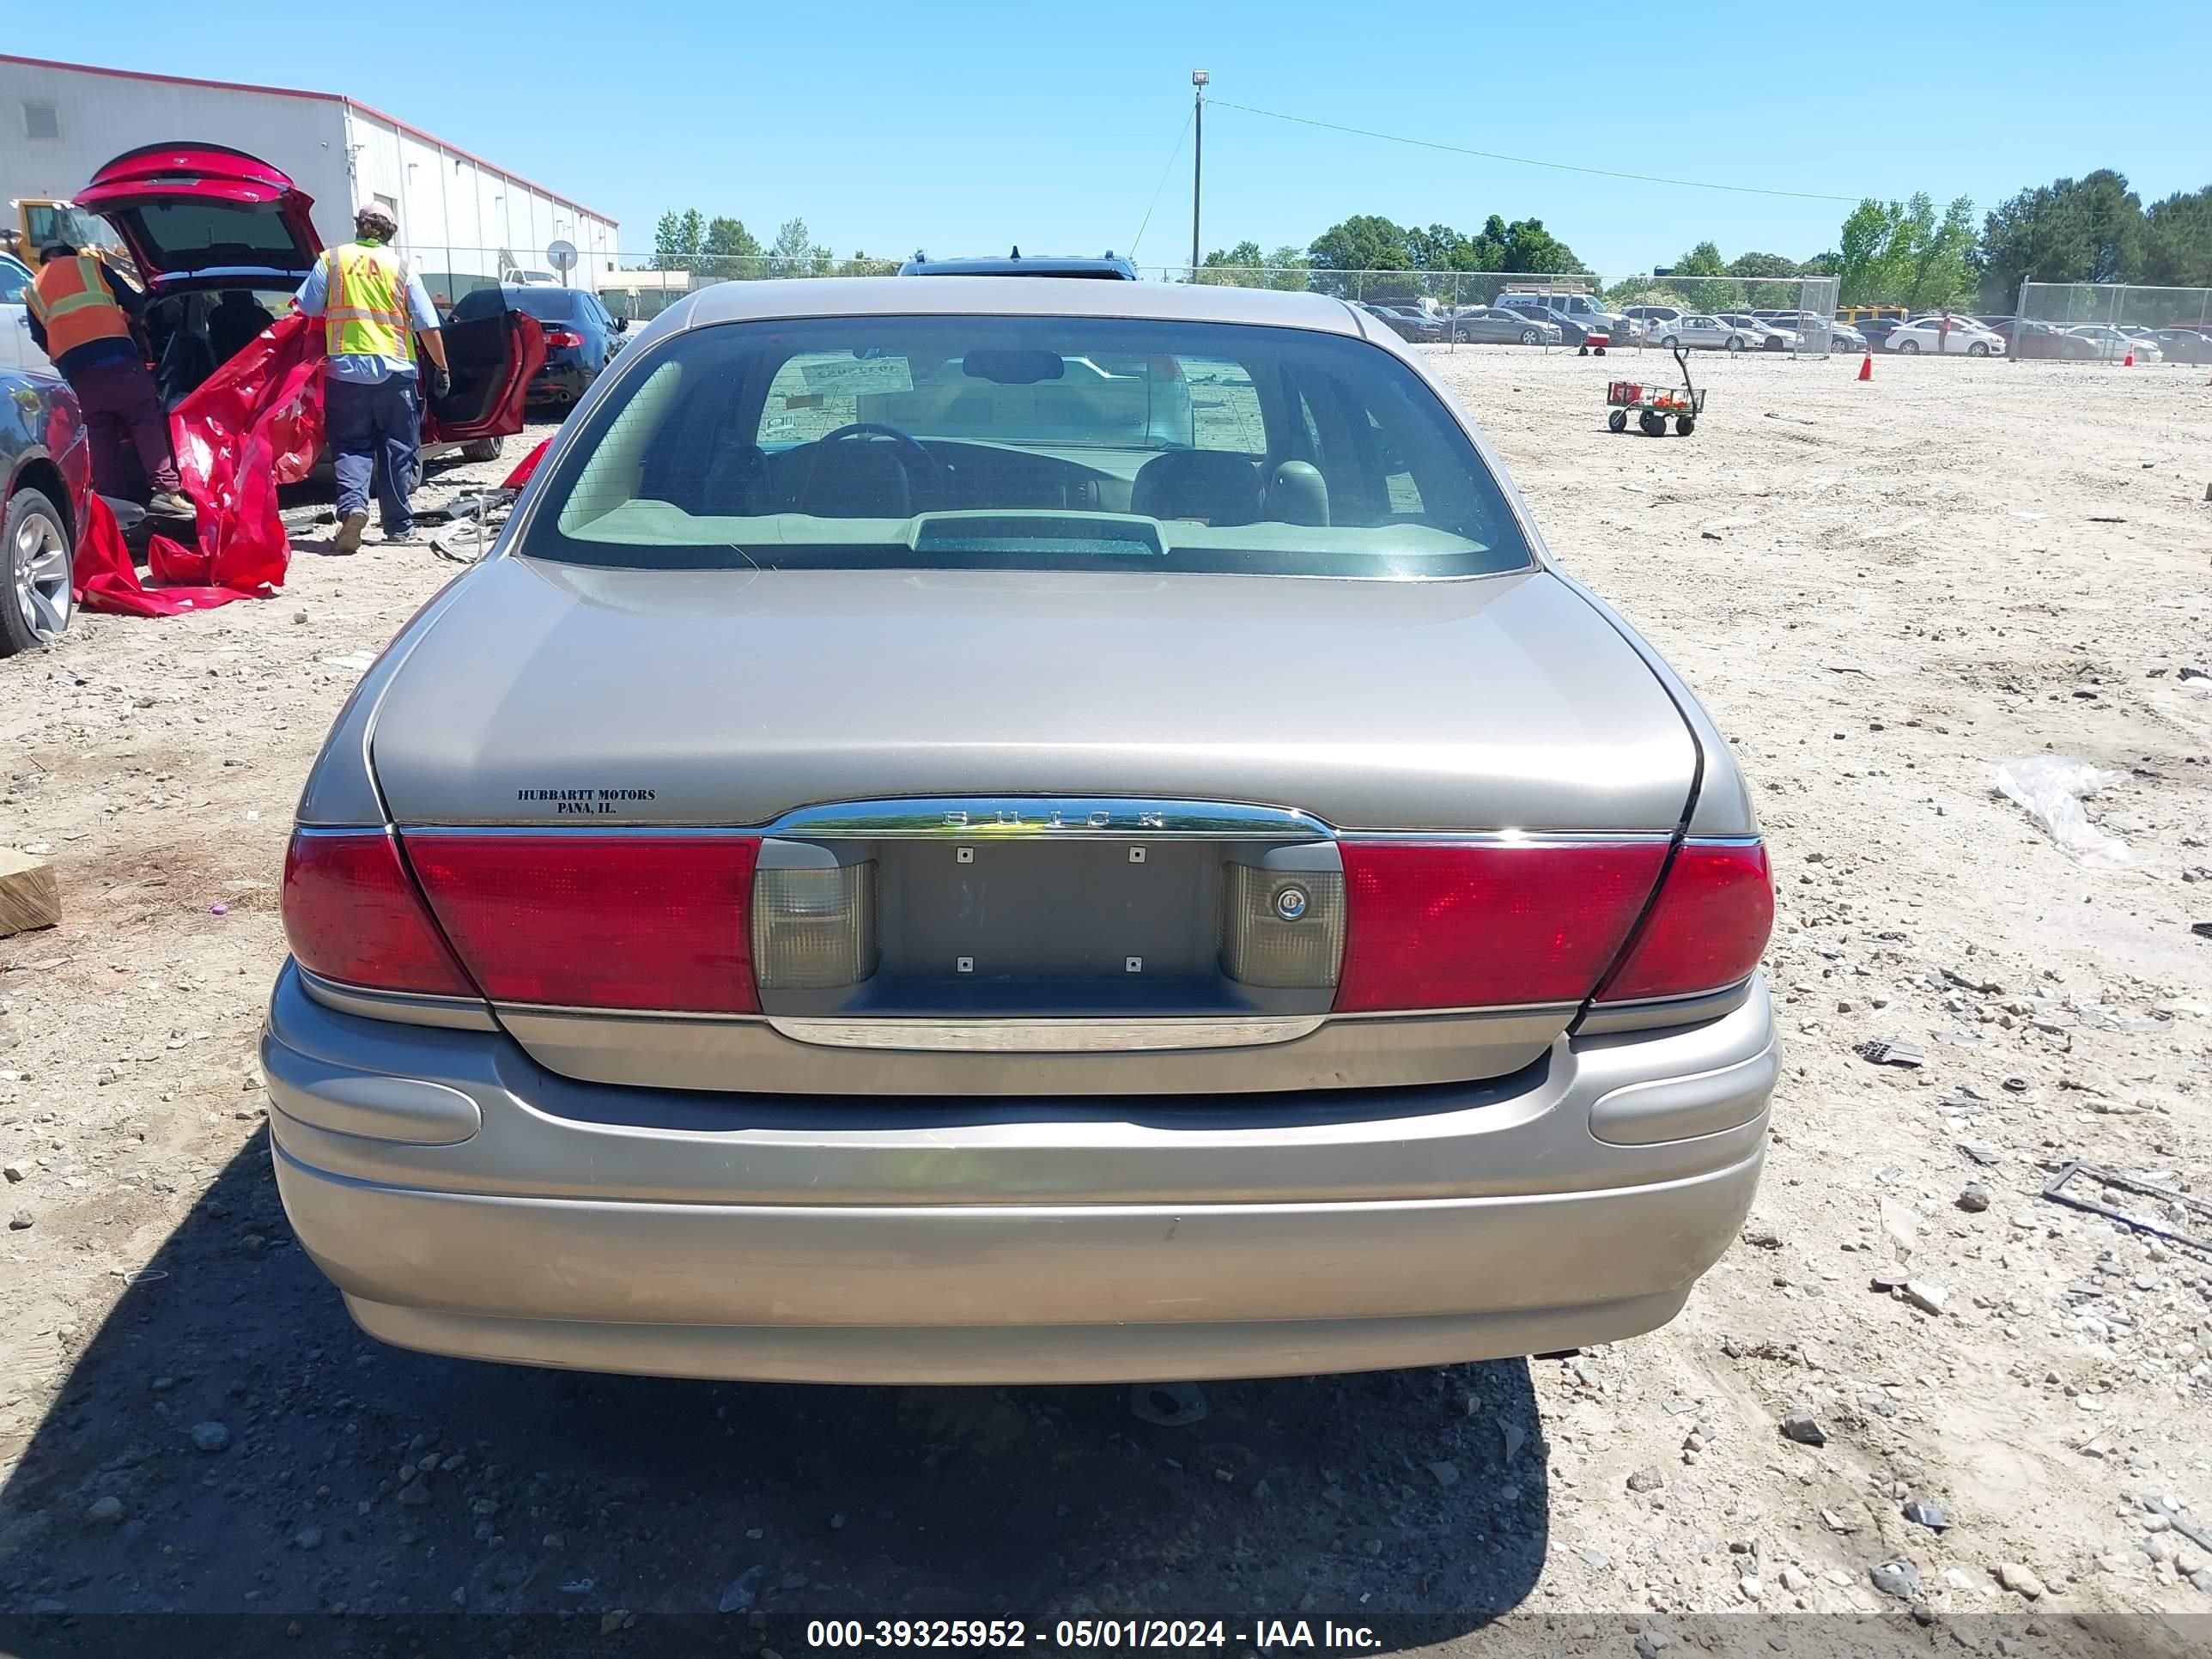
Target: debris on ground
<point x="1168" y="1405"/>
<point x="30" y="893"/>
<point x="2051" y="788"/>
<point x="1887" y="1051"/>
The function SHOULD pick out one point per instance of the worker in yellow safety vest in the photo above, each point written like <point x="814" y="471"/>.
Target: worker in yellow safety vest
<point x="373" y="309"/>
<point x="86" y="320"/>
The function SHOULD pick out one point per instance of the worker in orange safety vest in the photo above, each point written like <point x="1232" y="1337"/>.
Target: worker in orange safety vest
<point x="85" y="319"/>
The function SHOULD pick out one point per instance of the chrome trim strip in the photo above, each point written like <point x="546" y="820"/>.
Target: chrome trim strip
<point x="959" y="818"/>
<point x="1656" y="1013"/>
<point x="1267" y="825"/>
<point x="415" y="1008"/>
<point x="1365" y="1015"/>
<point x="1041" y="1037"/>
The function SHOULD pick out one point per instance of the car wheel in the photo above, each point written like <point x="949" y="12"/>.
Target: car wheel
<point x="1979" y="349"/>
<point x="483" y="449"/>
<point x="1617" y="422"/>
<point x="1911" y="348"/>
<point x="1735" y="342"/>
<point x="1529" y="336"/>
<point x="1672" y="342"/>
<point x="35" y="601"/>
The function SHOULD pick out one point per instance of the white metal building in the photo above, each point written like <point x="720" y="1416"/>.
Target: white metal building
<point x="458" y="213"/>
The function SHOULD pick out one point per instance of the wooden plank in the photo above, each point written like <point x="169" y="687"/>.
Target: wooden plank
<point x="30" y="896"/>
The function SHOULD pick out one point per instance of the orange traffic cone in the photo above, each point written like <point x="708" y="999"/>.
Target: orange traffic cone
<point x="2128" y="361"/>
<point x="1866" y="365"/>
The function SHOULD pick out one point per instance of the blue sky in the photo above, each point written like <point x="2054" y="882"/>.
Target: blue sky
<point x="961" y="127"/>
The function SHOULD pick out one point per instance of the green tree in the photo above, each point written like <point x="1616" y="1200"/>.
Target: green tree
<point x="676" y="241"/>
<point x="1286" y="269"/>
<point x="1938" y="254"/>
<point x="1524" y="246"/>
<point x="1703" y="260"/>
<point x="795" y="255"/>
<point x="1901" y="253"/>
<point x="1779" y="294"/>
<point x="730" y="252"/>
<point x="1364" y="242"/>
<point x="1237" y="267"/>
<point x="2178" y="241"/>
<point x="2089" y="229"/>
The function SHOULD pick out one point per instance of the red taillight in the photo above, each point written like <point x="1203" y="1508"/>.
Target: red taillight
<point x="598" y="921"/>
<point x="562" y="337"/>
<point x="1438" y="925"/>
<point x="352" y="915"/>
<point x="1707" y="928"/>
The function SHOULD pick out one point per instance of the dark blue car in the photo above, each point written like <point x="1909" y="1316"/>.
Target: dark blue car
<point x="580" y="334"/>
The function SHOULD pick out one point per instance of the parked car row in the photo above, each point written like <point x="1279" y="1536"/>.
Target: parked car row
<point x="1534" y="317"/>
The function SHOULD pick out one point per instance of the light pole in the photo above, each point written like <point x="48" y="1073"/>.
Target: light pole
<point x="1198" y="80"/>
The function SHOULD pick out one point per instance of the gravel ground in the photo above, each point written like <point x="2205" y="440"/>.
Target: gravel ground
<point x="1881" y="590"/>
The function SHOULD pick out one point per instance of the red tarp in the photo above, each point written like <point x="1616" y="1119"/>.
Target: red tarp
<point x="256" y="423"/>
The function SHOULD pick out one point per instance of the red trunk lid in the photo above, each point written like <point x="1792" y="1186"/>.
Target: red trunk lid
<point x="186" y="209"/>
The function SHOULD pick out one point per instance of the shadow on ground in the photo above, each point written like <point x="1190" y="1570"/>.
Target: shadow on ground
<point x="560" y="1491"/>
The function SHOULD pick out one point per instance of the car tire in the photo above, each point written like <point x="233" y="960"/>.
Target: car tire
<point x="483" y="449"/>
<point x="1673" y="343"/>
<point x="1529" y="336"/>
<point x="1910" y="348"/>
<point x="1735" y="342"/>
<point x="35" y="599"/>
<point x="1617" y="422"/>
<point x="1978" y="349"/>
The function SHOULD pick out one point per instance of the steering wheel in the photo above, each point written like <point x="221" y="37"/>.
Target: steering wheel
<point x="939" y="480"/>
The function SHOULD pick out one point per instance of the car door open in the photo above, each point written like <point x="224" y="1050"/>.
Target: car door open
<point x="490" y="354"/>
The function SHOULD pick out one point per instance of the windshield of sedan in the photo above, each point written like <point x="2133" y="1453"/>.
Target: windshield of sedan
<point x="1029" y="443"/>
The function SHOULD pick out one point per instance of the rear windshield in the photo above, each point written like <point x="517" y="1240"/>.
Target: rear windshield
<point x="547" y="305"/>
<point x="1029" y="443"/>
<point x="191" y="235"/>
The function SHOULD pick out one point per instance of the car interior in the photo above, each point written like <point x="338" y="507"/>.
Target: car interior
<point x="872" y="470"/>
<point x="1268" y="438"/>
<point x="196" y="332"/>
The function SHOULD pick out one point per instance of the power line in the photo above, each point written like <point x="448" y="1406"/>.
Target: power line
<point x="1522" y="161"/>
<point x="1163" y="184"/>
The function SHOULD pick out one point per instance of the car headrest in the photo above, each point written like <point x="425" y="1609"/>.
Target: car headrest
<point x="1211" y="486"/>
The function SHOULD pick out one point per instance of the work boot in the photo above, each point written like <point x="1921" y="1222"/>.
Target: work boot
<point x="172" y="504"/>
<point x="351" y="528"/>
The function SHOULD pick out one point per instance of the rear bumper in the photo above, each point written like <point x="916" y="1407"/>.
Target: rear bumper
<point x="1011" y="1241"/>
<point x="559" y="382"/>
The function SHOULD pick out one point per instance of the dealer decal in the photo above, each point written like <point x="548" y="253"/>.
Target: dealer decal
<point x="587" y="803"/>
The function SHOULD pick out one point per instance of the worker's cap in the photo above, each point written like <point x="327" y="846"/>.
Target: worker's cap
<point x="56" y="251"/>
<point x="376" y="218"/>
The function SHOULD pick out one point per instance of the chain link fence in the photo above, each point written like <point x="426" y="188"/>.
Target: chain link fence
<point x="2112" y="322"/>
<point x="1554" y="310"/>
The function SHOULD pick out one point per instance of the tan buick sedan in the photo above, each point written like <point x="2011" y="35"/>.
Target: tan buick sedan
<point x="999" y="830"/>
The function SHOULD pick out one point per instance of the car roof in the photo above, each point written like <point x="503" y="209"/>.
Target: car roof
<point x="985" y="296"/>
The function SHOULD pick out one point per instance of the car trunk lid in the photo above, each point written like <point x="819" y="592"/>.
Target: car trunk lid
<point x="1068" y="786"/>
<point x="194" y="210"/>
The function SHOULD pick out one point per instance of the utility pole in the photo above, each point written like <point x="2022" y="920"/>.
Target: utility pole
<point x="1198" y="80"/>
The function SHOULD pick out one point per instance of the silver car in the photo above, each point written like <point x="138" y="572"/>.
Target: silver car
<point x="827" y="899"/>
<point x="1495" y="325"/>
<point x="1696" y="329"/>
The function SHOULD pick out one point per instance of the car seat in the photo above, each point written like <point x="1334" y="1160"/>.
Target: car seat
<point x="1209" y="486"/>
